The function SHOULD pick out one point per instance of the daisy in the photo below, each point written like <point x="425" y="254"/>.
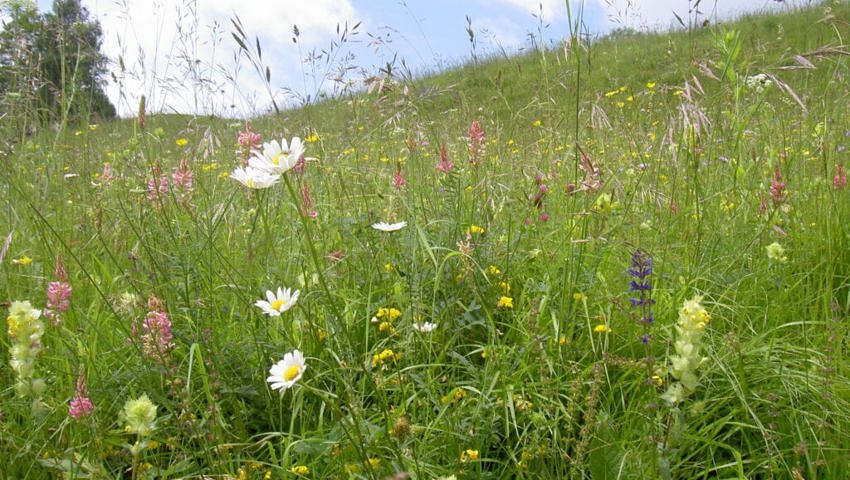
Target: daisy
<point x="277" y="304"/>
<point x="286" y="372"/>
<point x="254" y="178"/>
<point x="277" y="158"/>
<point x="389" y="227"/>
<point x="425" y="327"/>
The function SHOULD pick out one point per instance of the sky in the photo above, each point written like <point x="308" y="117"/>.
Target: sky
<point x="181" y="54"/>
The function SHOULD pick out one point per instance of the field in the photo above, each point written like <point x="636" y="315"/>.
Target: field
<point x="625" y="258"/>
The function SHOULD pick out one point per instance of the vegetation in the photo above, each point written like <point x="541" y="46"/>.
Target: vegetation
<point x="52" y="66"/>
<point x="626" y="258"/>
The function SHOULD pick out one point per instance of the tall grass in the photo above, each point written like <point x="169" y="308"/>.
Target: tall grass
<point x="659" y="145"/>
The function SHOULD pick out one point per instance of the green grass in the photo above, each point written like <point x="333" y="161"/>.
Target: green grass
<point x="686" y="160"/>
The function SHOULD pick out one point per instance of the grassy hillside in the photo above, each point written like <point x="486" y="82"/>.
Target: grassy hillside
<point x="637" y="265"/>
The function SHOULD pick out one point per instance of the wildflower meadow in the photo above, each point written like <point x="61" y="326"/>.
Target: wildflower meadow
<point x="626" y="257"/>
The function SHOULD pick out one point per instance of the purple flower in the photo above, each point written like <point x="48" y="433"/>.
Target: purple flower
<point x="641" y="287"/>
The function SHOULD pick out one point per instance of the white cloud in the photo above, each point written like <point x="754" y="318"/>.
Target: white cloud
<point x="181" y="54"/>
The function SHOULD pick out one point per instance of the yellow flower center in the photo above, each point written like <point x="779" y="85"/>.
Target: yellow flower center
<point x="250" y="182"/>
<point x="291" y="373"/>
<point x="278" y="304"/>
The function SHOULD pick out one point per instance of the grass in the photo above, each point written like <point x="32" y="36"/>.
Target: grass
<point x="520" y="256"/>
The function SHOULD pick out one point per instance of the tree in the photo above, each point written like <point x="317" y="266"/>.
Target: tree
<point x="54" y="61"/>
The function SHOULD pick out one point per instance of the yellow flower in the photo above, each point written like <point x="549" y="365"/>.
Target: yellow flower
<point x="657" y="380"/>
<point x="602" y="328"/>
<point x="579" y="297"/>
<point x="389" y="313"/>
<point x="505" y="302"/>
<point x="22" y="261"/>
<point x="475" y="229"/>
<point x="776" y="253"/>
<point x="562" y="340"/>
<point x="650" y="85"/>
<point x="299" y="469"/>
<point x="181" y="142"/>
<point x="384" y="356"/>
<point x="456" y="395"/>
<point x="536" y="123"/>
<point x="493" y="270"/>
<point x="312" y="138"/>
<point x="386" y="327"/>
<point x="373" y="462"/>
<point x="505" y="287"/>
<point x="468" y="455"/>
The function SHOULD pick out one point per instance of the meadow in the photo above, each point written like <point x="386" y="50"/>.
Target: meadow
<point x="623" y="258"/>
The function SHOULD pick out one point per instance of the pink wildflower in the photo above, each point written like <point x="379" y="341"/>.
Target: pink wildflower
<point x="58" y="294"/>
<point x="158" y="185"/>
<point x="156" y="334"/>
<point x="307" y="202"/>
<point x="81" y="405"/>
<point x="839" y="181"/>
<point x="445" y="165"/>
<point x="182" y="178"/>
<point x="777" y="188"/>
<point x="398" y="179"/>
<point x="249" y="138"/>
<point x="107" y="172"/>
<point x="336" y="255"/>
<point x="475" y="142"/>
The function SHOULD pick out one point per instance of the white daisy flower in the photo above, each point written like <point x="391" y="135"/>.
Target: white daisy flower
<point x="277" y="158"/>
<point x="389" y="227"/>
<point x="286" y="372"/>
<point x="277" y="304"/>
<point x="425" y="327"/>
<point x="254" y="178"/>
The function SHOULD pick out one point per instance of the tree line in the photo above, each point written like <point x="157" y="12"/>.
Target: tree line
<point x="51" y="67"/>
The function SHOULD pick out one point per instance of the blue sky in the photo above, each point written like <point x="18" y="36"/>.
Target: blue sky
<point x="155" y="38"/>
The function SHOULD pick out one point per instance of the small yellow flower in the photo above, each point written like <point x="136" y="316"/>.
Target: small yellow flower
<point x="657" y="380"/>
<point x="505" y="287"/>
<point x="22" y="261"/>
<point x="579" y="297"/>
<point x="602" y="328"/>
<point x="776" y="253"/>
<point x="181" y="142"/>
<point x="468" y="455"/>
<point x="475" y="229"/>
<point x="300" y="469"/>
<point x="312" y="138"/>
<point x="321" y="335"/>
<point x="373" y="462"/>
<point x="390" y="314"/>
<point x="386" y="327"/>
<point x="650" y="85"/>
<point x="562" y="340"/>
<point x="384" y="356"/>
<point x="493" y="270"/>
<point x="505" y="302"/>
<point x="93" y="127"/>
<point x="536" y="123"/>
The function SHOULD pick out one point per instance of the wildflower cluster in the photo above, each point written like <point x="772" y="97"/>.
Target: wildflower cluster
<point x="139" y="416"/>
<point x="81" y="405"/>
<point x="758" y="82"/>
<point x="381" y="359"/>
<point x="385" y="317"/>
<point x="25" y="332"/>
<point x="156" y="331"/>
<point x="693" y="319"/>
<point x="58" y="294"/>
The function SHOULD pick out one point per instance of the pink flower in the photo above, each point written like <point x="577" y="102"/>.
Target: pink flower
<point x="58" y="293"/>
<point x="777" y="188"/>
<point x="839" y="181"/>
<point x="107" y="172"/>
<point x="158" y="185"/>
<point x="398" y="179"/>
<point x="183" y="178"/>
<point x="156" y="334"/>
<point x="81" y="405"/>
<point x="307" y="202"/>
<point x="250" y="138"/>
<point x="475" y="142"/>
<point x="445" y="165"/>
